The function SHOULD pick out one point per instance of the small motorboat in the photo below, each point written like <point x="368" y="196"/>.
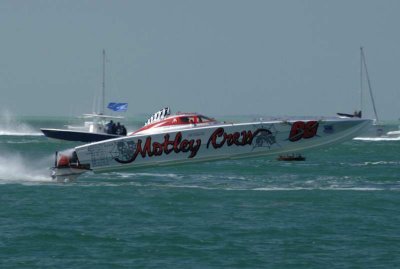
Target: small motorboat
<point x="167" y="139"/>
<point x="99" y="126"/>
<point x="291" y="157"/>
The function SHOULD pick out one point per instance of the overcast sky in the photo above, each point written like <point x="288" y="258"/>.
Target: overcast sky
<point x="217" y="57"/>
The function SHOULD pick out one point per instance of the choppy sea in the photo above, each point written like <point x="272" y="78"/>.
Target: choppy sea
<point x="338" y="209"/>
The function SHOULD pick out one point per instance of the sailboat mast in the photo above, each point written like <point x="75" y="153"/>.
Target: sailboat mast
<point x="369" y="84"/>
<point x="361" y="80"/>
<point x="103" y="93"/>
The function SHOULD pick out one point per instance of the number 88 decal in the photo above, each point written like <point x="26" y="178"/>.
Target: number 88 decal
<point x="301" y="129"/>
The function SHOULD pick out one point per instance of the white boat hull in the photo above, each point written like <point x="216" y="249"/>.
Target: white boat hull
<point x="393" y="134"/>
<point x="214" y="142"/>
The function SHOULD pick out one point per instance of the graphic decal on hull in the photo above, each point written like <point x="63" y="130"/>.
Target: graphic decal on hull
<point x="264" y="138"/>
<point x="305" y="130"/>
<point x="124" y="150"/>
<point x="100" y="154"/>
<point x="127" y="152"/>
<point x="151" y="149"/>
<point x="328" y="129"/>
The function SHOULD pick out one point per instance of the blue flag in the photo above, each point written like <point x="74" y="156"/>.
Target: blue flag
<point x="119" y="107"/>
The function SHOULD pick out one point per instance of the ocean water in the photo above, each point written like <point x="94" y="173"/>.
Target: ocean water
<point x="338" y="209"/>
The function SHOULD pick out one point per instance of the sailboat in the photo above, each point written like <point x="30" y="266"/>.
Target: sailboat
<point x="97" y="127"/>
<point x="377" y="127"/>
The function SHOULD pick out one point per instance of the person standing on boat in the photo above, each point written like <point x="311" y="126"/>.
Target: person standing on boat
<point x="118" y="129"/>
<point x="109" y="127"/>
<point x="124" y="132"/>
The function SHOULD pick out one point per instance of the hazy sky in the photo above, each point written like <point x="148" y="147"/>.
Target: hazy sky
<point x="217" y="57"/>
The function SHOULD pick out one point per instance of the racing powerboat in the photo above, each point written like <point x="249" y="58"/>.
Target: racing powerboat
<point x="190" y="137"/>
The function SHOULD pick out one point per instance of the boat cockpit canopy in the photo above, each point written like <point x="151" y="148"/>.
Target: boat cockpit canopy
<point x="190" y="119"/>
<point x="178" y="120"/>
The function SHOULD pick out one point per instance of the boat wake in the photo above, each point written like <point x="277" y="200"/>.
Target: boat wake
<point x="377" y="139"/>
<point x="17" y="169"/>
<point x="222" y="182"/>
<point x="18" y="133"/>
<point x="9" y="126"/>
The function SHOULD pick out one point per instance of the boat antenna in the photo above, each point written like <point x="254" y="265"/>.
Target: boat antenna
<point x="103" y="93"/>
<point x="369" y="84"/>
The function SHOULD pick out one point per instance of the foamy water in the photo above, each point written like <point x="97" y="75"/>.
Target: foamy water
<point x="377" y="139"/>
<point x="10" y="126"/>
<point x="16" y="168"/>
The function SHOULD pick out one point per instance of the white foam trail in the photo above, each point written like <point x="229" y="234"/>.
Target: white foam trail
<point x="375" y="139"/>
<point x="155" y="175"/>
<point x="10" y="126"/>
<point x="319" y="188"/>
<point x="16" y="169"/>
<point x="18" y="133"/>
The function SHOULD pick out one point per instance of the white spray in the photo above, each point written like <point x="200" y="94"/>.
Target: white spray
<point x="9" y="125"/>
<point x="14" y="168"/>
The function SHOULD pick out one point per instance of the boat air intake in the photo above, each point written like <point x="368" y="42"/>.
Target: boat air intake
<point x="67" y="158"/>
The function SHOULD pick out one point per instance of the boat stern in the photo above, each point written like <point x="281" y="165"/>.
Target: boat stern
<point x="67" y="166"/>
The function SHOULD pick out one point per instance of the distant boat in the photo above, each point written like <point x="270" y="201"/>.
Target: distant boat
<point x="377" y="127"/>
<point x="357" y="114"/>
<point x="393" y="134"/>
<point x="291" y="157"/>
<point x="99" y="126"/>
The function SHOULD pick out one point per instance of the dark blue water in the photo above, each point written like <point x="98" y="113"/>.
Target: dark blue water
<point x="338" y="209"/>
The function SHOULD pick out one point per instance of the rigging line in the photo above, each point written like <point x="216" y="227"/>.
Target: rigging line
<point x="361" y="80"/>
<point x="369" y="85"/>
<point x="104" y="83"/>
<point x="113" y="83"/>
